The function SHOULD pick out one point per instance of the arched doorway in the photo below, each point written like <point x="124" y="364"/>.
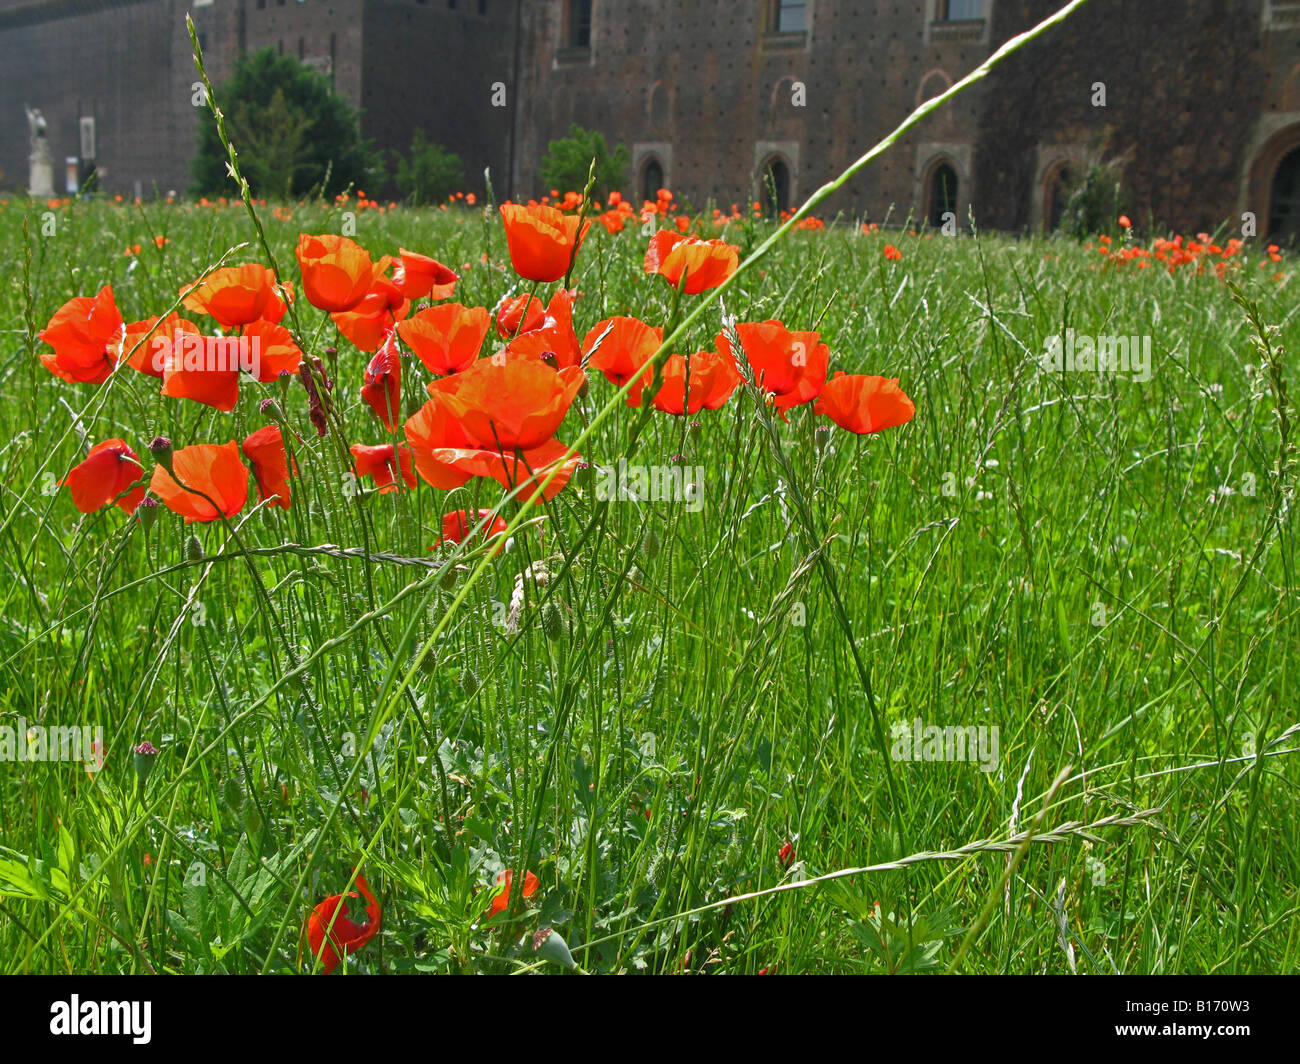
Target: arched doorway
<point x="942" y="194"/>
<point x="1284" y="200"/>
<point x="1056" y="194"/>
<point x="652" y="179"/>
<point x="776" y="187"/>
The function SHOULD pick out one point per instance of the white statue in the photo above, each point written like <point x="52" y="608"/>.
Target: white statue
<point x="41" y="170"/>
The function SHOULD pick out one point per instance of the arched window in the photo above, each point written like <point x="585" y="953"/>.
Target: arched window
<point x="1056" y="194"/>
<point x="1284" y="203"/>
<point x="652" y="179"/>
<point x="776" y="187"/>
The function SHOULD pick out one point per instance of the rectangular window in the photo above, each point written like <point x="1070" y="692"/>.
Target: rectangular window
<point x="960" y="10"/>
<point x="789" y="16"/>
<point x="579" y="28"/>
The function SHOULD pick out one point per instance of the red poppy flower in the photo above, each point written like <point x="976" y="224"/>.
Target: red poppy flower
<point x="147" y="351"/>
<point x="542" y="240"/>
<point x="791" y="366"/>
<point x="892" y="253"/>
<point x="555" y="335"/>
<point x="105" y="473"/>
<point x="211" y="468"/>
<point x="233" y="295"/>
<point x="862" y="403"/>
<point x="337" y="272"/>
<point x="499" y="903"/>
<point x="273" y="349"/>
<point x="1124" y="222"/>
<point x="446" y="338"/>
<point x="459" y="524"/>
<point x="706" y="263"/>
<point x="186" y="375"/>
<point x="333" y="935"/>
<point x="519" y="315"/>
<point x="265" y="449"/>
<point x="86" y="334"/>
<point x="621" y="355"/>
<point x="376" y="461"/>
<point x="418" y="276"/>
<point x="383" y="385"/>
<point x="714" y="379"/>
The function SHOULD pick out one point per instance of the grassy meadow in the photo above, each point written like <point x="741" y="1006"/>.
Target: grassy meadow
<point x="683" y="716"/>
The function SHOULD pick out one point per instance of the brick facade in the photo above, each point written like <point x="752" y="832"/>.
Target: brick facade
<point x="1202" y="96"/>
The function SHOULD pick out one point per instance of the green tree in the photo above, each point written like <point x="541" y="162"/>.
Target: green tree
<point x="292" y="133"/>
<point x="568" y="160"/>
<point x="431" y="174"/>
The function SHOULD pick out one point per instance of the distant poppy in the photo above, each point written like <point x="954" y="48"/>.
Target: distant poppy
<point x="105" y="473"/>
<point x="892" y="253"/>
<point x="333" y="935"/>
<point x="623" y="352"/>
<point x="519" y="315"/>
<point x="337" y="272"/>
<point x="862" y="403"/>
<point x="542" y="241"/>
<point x="1124" y="223"/>
<point x="382" y="388"/>
<point x="233" y="295"/>
<point x="211" y="468"/>
<point x="459" y="524"/>
<point x="86" y="334"/>
<point x="714" y="378"/>
<point x="446" y="338"/>
<point x="790" y="366"/>
<point x="499" y="903"/>
<point x="265" y="449"/>
<point x="419" y="276"/>
<point x="376" y="461"/>
<point x="706" y="263"/>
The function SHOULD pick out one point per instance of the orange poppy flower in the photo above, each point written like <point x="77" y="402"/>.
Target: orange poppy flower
<point x="333" y="935"/>
<point x="265" y="449"/>
<point x="446" y="338"/>
<point x="382" y="388"/>
<point x="1124" y="223"/>
<point x="458" y="525"/>
<point x="622" y="353"/>
<point x="337" y="272"/>
<point x="370" y="322"/>
<point x="892" y="253"/>
<point x="191" y="378"/>
<point x="499" y="903"/>
<point x="511" y="405"/>
<point x="862" y="403"/>
<point x="418" y="276"/>
<point x="233" y="295"/>
<point x="554" y="337"/>
<point x="105" y="473"/>
<point x="211" y="468"/>
<point x="790" y="366"/>
<point x="376" y="461"/>
<point x="543" y="241"/>
<point x="86" y="334"/>
<point x="714" y="378"/>
<point x="519" y="315"/>
<point x="149" y="356"/>
<point x="706" y="263"/>
<point x="276" y="353"/>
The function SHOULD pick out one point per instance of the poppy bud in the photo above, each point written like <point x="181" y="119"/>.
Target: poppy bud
<point x="252" y="818"/>
<point x="193" y="549"/>
<point x="583" y="389"/>
<point x="270" y="408"/>
<point x="147" y="512"/>
<point x="233" y="793"/>
<point x="549" y="358"/>
<point x="161" y="449"/>
<point x="550" y="946"/>
<point x="142" y="759"/>
<point x="552" y="621"/>
<point x="651" y="543"/>
<point x="821" y="437"/>
<point x="695" y="430"/>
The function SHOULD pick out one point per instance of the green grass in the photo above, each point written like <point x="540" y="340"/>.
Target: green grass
<point x="1040" y="553"/>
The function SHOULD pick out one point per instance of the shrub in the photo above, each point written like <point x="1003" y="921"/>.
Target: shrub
<point x="431" y="175"/>
<point x="568" y="160"/>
